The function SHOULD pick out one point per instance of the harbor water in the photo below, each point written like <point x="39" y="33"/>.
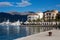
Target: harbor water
<point x="9" y="32"/>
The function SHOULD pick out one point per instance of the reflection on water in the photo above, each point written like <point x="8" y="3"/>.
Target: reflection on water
<point x="37" y="29"/>
<point x="8" y="32"/>
<point x="11" y="32"/>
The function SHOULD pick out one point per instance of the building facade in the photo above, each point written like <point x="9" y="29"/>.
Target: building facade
<point x="51" y="15"/>
<point x="40" y="14"/>
<point x="32" y="17"/>
<point x="35" y="16"/>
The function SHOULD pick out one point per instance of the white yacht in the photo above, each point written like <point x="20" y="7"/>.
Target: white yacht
<point x="8" y="23"/>
<point x="16" y="23"/>
<point x="26" y="22"/>
<point x="5" y="23"/>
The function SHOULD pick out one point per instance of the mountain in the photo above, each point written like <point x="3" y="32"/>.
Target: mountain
<point x="12" y="16"/>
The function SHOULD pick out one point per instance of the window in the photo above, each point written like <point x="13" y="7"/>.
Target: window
<point x="49" y="13"/>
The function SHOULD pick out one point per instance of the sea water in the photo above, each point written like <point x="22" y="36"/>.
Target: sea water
<point x="9" y="32"/>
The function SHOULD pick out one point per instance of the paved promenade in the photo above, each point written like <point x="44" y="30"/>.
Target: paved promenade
<point x="43" y="36"/>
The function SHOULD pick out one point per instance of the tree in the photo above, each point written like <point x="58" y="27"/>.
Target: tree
<point x="58" y="17"/>
<point x="38" y="20"/>
<point x="29" y="20"/>
<point x="34" y="20"/>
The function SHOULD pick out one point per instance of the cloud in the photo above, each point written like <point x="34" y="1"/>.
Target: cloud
<point x="5" y="4"/>
<point x="24" y="3"/>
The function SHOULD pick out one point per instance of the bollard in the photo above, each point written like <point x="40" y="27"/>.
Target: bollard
<point x="50" y="33"/>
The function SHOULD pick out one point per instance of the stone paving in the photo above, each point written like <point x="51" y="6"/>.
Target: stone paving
<point x="43" y="36"/>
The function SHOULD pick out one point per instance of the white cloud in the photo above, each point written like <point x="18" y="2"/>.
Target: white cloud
<point x="5" y="4"/>
<point x="23" y="3"/>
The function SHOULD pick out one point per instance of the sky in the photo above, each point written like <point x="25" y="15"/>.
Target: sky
<point x="29" y="5"/>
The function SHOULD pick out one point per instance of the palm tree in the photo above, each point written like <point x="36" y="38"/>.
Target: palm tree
<point x="34" y="20"/>
<point x="29" y="20"/>
<point x="58" y="17"/>
<point x="38" y="20"/>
